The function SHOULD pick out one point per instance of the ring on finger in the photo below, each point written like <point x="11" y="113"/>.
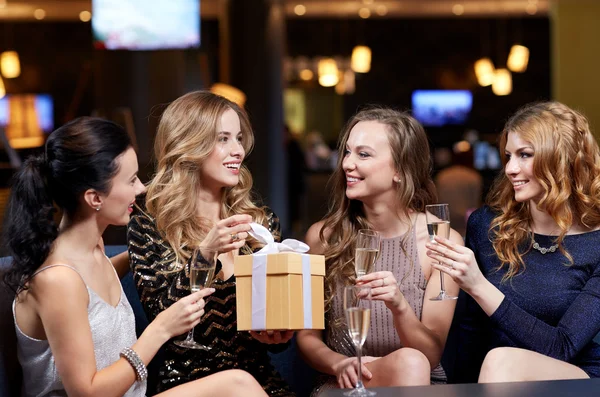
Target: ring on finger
<point x="234" y="237"/>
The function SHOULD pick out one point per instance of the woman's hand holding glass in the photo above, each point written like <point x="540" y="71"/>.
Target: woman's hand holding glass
<point x="456" y="261"/>
<point x="228" y="234"/>
<point x="183" y="315"/>
<point x="384" y="287"/>
<point x="357" y="307"/>
<point x="202" y="265"/>
<point x="346" y="371"/>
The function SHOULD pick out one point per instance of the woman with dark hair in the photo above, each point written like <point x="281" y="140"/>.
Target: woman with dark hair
<point x="74" y="325"/>
<point x="382" y="182"/>
<point x="532" y="265"/>
<point x="201" y="195"/>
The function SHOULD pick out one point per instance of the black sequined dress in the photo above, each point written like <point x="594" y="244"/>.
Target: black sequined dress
<point x="159" y="287"/>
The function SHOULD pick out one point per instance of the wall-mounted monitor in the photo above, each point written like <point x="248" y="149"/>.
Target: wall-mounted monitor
<point x="26" y="118"/>
<point x="146" y="24"/>
<point x="436" y="108"/>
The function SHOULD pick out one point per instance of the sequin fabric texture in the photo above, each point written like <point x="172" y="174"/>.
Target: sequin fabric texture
<point x="159" y="287"/>
<point x="552" y="307"/>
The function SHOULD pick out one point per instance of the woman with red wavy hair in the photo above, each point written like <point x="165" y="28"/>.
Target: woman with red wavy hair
<point x="531" y="266"/>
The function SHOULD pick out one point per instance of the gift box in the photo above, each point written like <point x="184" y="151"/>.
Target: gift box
<point x="280" y="290"/>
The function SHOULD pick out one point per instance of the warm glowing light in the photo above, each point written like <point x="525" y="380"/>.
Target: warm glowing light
<point x="502" y="84"/>
<point x="10" y="65"/>
<point x="328" y="72"/>
<point x="458" y="9"/>
<point x="518" y="58"/>
<point x="462" y="147"/>
<point x="381" y="10"/>
<point x="531" y="9"/>
<point x="361" y="59"/>
<point x="364" y="13"/>
<point x="230" y="92"/>
<point x="306" y="74"/>
<point x="300" y="10"/>
<point x="484" y="70"/>
<point x="2" y="89"/>
<point x="39" y="14"/>
<point x="85" y="16"/>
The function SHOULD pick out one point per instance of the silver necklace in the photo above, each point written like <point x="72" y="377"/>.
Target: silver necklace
<point x="544" y="250"/>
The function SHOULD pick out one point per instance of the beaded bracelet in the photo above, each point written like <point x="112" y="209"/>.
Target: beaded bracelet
<point x="141" y="372"/>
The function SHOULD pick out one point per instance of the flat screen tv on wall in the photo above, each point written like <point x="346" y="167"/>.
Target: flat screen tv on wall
<point x="146" y="24"/>
<point x="437" y="108"/>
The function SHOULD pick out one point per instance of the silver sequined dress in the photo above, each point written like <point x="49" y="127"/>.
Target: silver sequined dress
<point x="113" y="329"/>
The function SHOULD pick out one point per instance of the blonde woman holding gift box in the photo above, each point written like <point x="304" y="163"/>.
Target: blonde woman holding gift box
<point x="200" y="195"/>
<point x="382" y="182"/>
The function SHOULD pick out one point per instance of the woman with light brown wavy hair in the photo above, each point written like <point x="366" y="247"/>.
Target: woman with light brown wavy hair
<point x="201" y="196"/>
<point x="382" y="182"/>
<point x="532" y="266"/>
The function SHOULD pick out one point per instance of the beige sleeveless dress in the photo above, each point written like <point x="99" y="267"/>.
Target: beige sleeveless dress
<point x="383" y="338"/>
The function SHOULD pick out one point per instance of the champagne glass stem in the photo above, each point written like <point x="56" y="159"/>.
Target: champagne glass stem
<point x="190" y="335"/>
<point x="359" y="384"/>
<point x="442" y="288"/>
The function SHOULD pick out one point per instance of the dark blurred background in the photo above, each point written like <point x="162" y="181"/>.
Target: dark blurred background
<point x="270" y="51"/>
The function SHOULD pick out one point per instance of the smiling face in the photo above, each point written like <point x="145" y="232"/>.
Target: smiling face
<point x="368" y="163"/>
<point x="519" y="169"/>
<point x="222" y="167"/>
<point x="125" y="186"/>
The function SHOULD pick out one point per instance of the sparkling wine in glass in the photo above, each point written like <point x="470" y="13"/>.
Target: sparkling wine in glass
<point x="357" y="306"/>
<point x="202" y="270"/>
<point x="438" y="224"/>
<point x="366" y="251"/>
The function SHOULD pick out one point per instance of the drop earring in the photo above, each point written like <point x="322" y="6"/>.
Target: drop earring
<point x="98" y="208"/>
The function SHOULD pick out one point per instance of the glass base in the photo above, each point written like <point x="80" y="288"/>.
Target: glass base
<point x="443" y="296"/>
<point x="360" y="392"/>
<point x="190" y="344"/>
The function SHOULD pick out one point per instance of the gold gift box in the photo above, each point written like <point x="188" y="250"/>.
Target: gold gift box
<point x="284" y="310"/>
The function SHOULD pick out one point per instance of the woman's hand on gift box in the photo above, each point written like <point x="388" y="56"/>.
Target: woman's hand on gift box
<point x="272" y="337"/>
<point x="384" y="287"/>
<point x="228" y="234"/>
<point x="346" y="371"/>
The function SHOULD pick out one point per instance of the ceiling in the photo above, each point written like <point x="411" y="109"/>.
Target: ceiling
<point x="70" y="9"/>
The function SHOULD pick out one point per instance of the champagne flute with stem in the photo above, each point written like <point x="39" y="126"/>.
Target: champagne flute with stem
<point x="438" y="224"/>
<point x="202" y="270"/>
<point x="367" y="249"/>
<point x="357" y="306"/>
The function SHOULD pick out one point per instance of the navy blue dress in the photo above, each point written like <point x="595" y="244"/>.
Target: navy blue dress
<point x="551" y="307"/>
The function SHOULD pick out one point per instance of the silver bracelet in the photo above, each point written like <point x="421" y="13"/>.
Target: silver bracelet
<point x="141" y="372"/>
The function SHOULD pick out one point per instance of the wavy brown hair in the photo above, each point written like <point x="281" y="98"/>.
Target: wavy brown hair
<point x="566" y="163"/>
<point x="412" y="161"/>
<point x="187" y="134"/>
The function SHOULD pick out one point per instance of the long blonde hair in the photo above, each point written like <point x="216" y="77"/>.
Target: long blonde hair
<point x="566" y="163"/>
<point x="410" y="154"/>
<point x="187" y="134"/>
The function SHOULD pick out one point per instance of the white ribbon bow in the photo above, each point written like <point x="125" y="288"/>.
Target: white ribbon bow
<point x="263" y="235"/>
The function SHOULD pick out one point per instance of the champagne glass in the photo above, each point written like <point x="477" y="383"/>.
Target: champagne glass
<point x="438" y="224"/>
<point x="357" y="306"/>
<point x="202" y="270"/>
<point x="366" y="251"/>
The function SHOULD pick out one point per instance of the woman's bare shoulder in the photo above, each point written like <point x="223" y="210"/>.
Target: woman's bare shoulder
<point x="312" y="238"/>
